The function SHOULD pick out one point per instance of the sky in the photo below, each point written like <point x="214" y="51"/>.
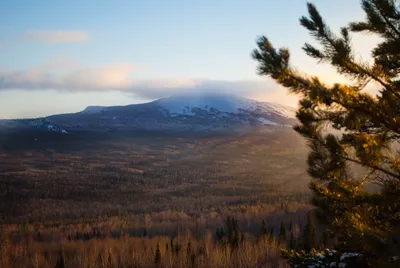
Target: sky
<point x="62" y="56"/>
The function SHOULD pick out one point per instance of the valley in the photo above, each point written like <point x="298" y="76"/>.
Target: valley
<point x="114" y="197"/>
<point x="109" y="184"/>
<point x="81" y="176"/>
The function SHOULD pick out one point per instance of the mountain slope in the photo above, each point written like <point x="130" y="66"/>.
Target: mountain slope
<point x="201" y="112"/>
<point x="222" y="103"/>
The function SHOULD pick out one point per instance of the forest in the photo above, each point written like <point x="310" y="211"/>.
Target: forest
<point x="118" y="201"/>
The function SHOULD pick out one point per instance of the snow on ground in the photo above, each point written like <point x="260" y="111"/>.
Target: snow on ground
<point x="223" y="103"/>
<point x="284" y="110"/>
<point x="266" y="121"/>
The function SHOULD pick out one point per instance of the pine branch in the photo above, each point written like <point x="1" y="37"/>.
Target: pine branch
<point x="378" y="4"/>
<point x="388" y="172"/>
<point x="337" y="50"/>
<point x="306" y="84"/>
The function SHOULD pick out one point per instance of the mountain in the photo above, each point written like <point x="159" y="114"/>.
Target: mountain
<point x="39" y="123"/>
<point x="184" y="112"/>
<point x="93" y="109"/>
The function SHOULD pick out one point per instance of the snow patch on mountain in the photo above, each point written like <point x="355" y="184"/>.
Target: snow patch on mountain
<point x="187" y="105"/>
<point x="266" y="121"/>
<point x="38" y="123"/>
<point x="50" y="126"/>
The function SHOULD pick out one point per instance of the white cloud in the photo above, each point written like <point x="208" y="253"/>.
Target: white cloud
<point x="164" y="87"/>
<point x="71" y="76"/>
<point x="64" y="74"/>
<point x="55" y="36"/>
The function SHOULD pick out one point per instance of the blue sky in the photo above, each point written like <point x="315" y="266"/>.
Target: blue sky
<point x="61" y="56"/>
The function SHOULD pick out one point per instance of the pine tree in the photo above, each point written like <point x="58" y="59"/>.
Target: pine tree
<point x="282" y="232"/>
<point x="61" y="259"/>
<point x="39" y="237"/>
<point x="193" y="259"/>
<point x="235" y="241"/>
<point x="310" y="239"/>
<point x="229" y="226"/>
<point x="157" y="256"/>
<point x="145" y="232"/>
<point x="264" y="231"/>
<point x="292" y="242"/>
<point x="325" y="239"/>
<point x="233" y="232"/>
<point x="346" y="126"/>
<point x="177" y="249"/>
<point x="46" y="255"/>
<point x="222" y="233"/>
<point x="271" y="232"/>
<point x="100" y="259"/>
<point x="235" y="237"/>
<point x="109" y="260"/>
<point x="189" y="249"/>
<point x="218" y="235"/>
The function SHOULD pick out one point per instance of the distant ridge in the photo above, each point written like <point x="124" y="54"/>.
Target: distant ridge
<point x="183" y="112"/>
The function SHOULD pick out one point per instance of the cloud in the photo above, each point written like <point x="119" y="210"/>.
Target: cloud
<point x="263" y="89"/>
<point x="68" y="75"/>
<point x="64" y="74"/>
<point x="160" y="87"/>
<point x="55" y="36"/>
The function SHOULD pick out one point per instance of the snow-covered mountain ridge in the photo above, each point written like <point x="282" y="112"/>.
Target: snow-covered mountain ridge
<point x="222" y="103"/>
<point x="195" y="112"/>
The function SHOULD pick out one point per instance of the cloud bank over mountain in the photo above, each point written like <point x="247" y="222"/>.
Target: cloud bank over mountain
<point x="67" y="75"/>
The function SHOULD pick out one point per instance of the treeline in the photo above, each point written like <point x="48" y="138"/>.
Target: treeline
<point x="228" y="246"/>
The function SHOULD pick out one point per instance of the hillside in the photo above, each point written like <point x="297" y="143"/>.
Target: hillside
<point x="185" y="112"/>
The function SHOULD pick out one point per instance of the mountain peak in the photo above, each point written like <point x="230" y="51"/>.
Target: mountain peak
<point x="226" y="103"/>
<point x="200" y="111"/>
<point x="93" y="109"/>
